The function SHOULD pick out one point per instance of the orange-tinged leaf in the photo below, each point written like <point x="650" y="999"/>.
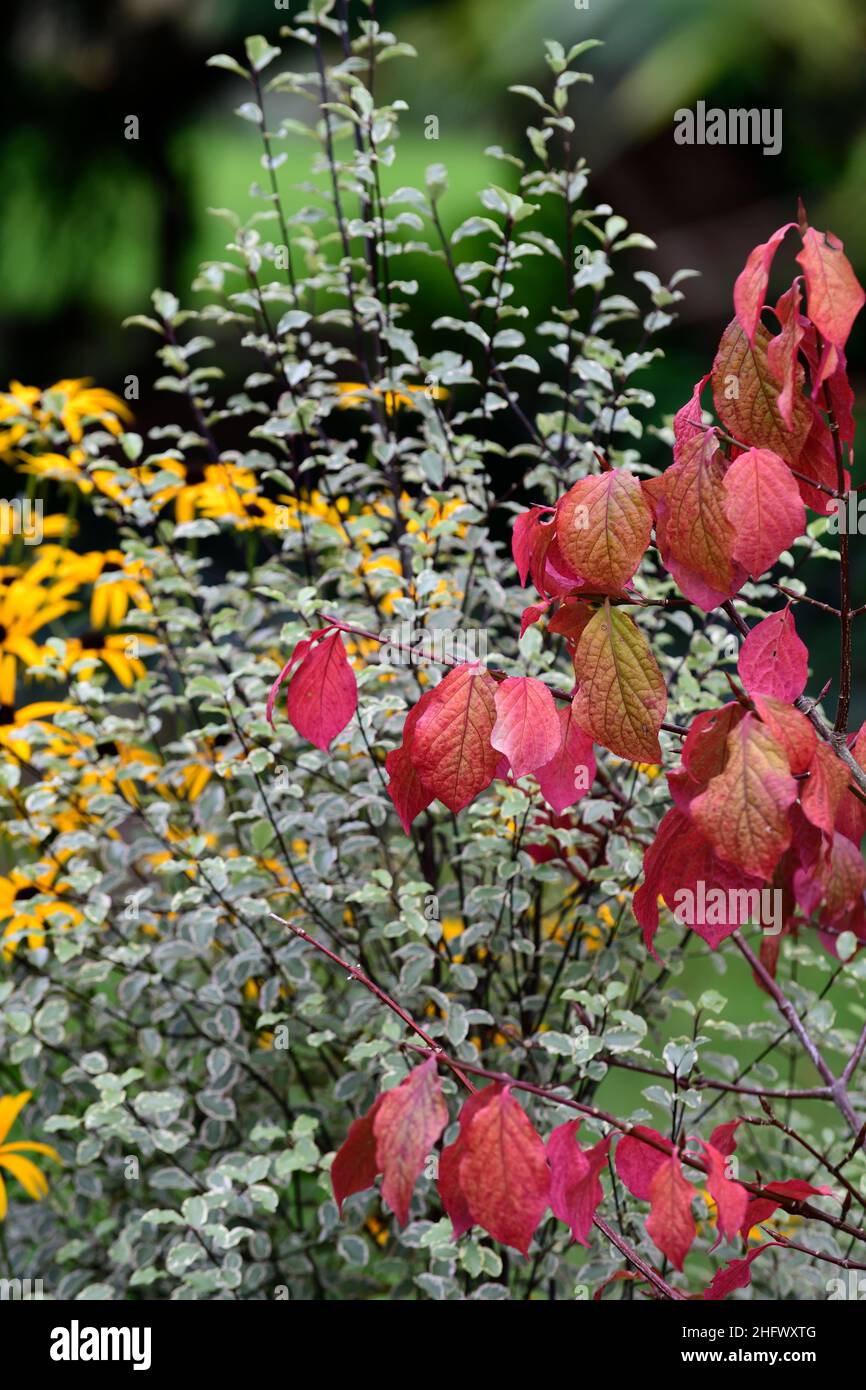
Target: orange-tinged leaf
<point x="827" y="783"/>
<point x="834" y="296"/>
<point x="451" y="748"/>
<point x="603" y="525"/>
<point x="744" y="811"/>
<point x="503" y="1171"/>
<point x="765" y="509"/>
<point x="622" y="698"/>
<point x="746" y="395"/>
<point x="790" y="728"/>
<point x="695" y="536"/>
<point x="409" y="1120"/>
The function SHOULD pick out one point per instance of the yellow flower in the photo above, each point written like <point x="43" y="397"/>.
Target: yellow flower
<point x="117" y="583"/>
<point x="13" y="722"/>
<point x="25" y="608"/>
<point x="35" y="1184"/>
<point x="16" y="406"/>
<point x="353" y="394"/>
<point x="22" y="915"/>
<point x="75" y="402"/>
<point x="118" y="651"/>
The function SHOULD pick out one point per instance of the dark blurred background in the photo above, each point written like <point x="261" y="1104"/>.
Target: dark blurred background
<point x="90" y="221"/>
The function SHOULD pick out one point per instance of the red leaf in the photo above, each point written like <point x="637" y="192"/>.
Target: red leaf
<point x="723" y="1137"/>
<point x="299" y="652"/>
<point x="750" y="287"/>
<point x="558" y="779"/>
<point x="790" y="728"/>
<point x="736" y="1274"/>
<point x="527" y="726"/>
<point x="852" y="813"/>
<point x="503" y="1172"/>
<point x="569" y="620"/>
<point x="744" y="811"/>
<point x="575" y="1189"/>
<point x="688" y="421"/>
<point x="405" y="788"/>
<point x="773" y="660"/>
<point x="407" y="1123"/>
<point x="695" y="537"/>
<point x="323" y="693"/>
<point x="834" y="296"/>
<point x="670" y="1223"/>
<point x="822" y="795"/>
<point x="764" y="506"/>
<point x="531" y="614"/>
<point x="730" y="1197"/>
<point x="637" y="1162"/>
<point x="797" y="1188"/>
<point x="782" y="350"/>
<point x="524" y="538"/>
<point x="355" y="1166"/>
<point x="817" y="460"/>
<point x="450" y="1188"/>
<point x="451" y="747"/>
<point x="703" y="891"/>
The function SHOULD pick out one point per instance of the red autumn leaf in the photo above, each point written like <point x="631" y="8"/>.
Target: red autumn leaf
<point x="323" y="692"/>
<point x="575" y="1190"/>
<point x="355" y="1166"/>
<point x="524" y="539"/>
<point x="782" y="350"/>
<point x="822" y="794"/>
<point x="773" y="660"/>
<point x="765" y="509"/>
<point x="571" y="771"/>
<point x="622" y="697"/>
<point x="638" y="1162"/>
<point x="790" y="728"/>
<point x="450" y="1188"/>
<point x="504" y="1175"/>
<point x="703" y="891"/>
<point x="744" y="811"/>
<point x="736" y="1274"/>
<point x="531" y="614"/>
<point x="704" y="753"/>
<point x="670" y="1224"/>
<point x="603" y="526"/>
<point x="834" y="297"/>
<point x="695" y="537"/>
<point x="451" y="748"/>
<point x="851" y="820"/>
<point x="836" y="390"/>
<point x="527" y="728"/>
<point x="408" y="1121"/>
<point x="746" y="396"/>
<point x="750" y="287"/>
<point x="688" y="421"/>
<point x="797" y="1188"/>
<point x="405" y="788"/>
<point x="833" y="882"/>
<point x="723" y="1137"/>
<point x="817" y="461"/>
<point x="300" y="651"/>
<point x="569" y="620"/>
<point x="730" y="1197"/>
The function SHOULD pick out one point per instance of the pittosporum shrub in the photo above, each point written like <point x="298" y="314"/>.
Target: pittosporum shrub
<point x="534" y="886"/>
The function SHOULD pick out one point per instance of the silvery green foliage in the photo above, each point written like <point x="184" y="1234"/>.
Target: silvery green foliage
<point x="192" y="1059"/>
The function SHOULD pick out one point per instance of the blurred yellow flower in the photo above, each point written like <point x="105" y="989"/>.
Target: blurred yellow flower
<point x="35" y="1184"/>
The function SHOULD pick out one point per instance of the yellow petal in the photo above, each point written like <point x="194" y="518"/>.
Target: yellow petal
<point x="10" y="1108"/>
<point x="35" y="1184"/>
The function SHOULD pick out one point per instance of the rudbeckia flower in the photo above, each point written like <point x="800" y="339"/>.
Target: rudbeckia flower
<point x="34" y="1182"/>
<point x="353" y="395"/>
<point x="27" y="904"/>
<point x="76" y="402"/>
<point x="25" y="607"/>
